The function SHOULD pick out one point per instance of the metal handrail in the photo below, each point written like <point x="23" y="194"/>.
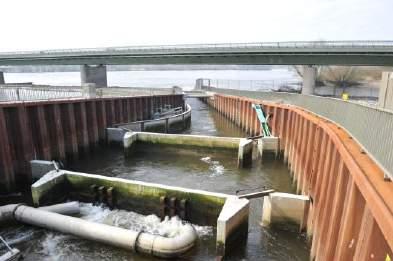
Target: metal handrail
<point x="215" y="46"/>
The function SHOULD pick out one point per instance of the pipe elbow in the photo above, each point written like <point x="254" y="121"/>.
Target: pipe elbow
<point x="167" y="247"/>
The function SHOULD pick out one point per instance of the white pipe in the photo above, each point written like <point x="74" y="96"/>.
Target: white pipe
<point x="69" y="208"/>
<point x="119" y="237"/>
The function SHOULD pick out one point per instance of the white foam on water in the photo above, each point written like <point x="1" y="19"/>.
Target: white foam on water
<point x="206" y="159"/>
<point x="215" y="167"/>
<point x="57" y="246"/>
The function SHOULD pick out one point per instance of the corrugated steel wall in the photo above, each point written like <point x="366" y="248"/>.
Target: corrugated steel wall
<point x="62" y="129"/>
<point x="371" y="127"/>
<point x="351" y="215"/>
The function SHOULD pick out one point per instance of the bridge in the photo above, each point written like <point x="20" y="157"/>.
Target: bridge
<point x="355" y="53"/>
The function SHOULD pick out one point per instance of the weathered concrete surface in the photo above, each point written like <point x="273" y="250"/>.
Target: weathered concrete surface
<point x="115" y="135"/>
<point x="189" y="140"/>
<point x="142" y="197"/>
<point x="284" y="208"/>
<point x="309" y="77"/>
<point x="48" y="189"/>
<point x="89" y="90"/>
<point x="40" y="167"/>
<point x="385" y="100"/>
<point x="244" y="158"/>
<point x="129" y="141"/>
<point x="232" y="223"/>
<point x="94" y="74"/>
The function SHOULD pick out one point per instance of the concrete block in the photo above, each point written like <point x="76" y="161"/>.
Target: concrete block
<point x="129" y="140"/>
<point x="89" y="90"/>
<point x="245" y="153"/>
<point x="271" y="144"/>
<point x="40" y="167"/>
<point x="232" y="223"/>
<point x="115" y="135"/>
<point x="285" y="209"/>
<point x="189" y="140"/>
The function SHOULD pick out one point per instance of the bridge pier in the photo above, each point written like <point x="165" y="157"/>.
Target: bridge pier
<point x="309" y="78"/>
<point x="385" y="100"/>
<point x="2" y="78"/>
<point x="94" y="74"/>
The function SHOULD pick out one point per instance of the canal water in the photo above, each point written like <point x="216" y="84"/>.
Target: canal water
<point x="191" y="168"/>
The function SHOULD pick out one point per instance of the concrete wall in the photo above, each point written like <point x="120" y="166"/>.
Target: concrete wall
<point x="232" y="225"/>
<point x="142" y="197"/>
<point x="189" y="140"/>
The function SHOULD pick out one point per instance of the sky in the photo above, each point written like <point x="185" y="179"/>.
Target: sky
<point x="60" y="24"/>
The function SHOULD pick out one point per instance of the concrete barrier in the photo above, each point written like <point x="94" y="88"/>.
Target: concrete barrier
<point x="232" y="223"/>
<point x="40" y="167"/>
<point x="244" y="158"/>
<point x="284" y="208"/>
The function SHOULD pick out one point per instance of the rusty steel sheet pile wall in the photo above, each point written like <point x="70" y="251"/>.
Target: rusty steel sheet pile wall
<point x="63" y="129"/>
<point x="351" y="215"/>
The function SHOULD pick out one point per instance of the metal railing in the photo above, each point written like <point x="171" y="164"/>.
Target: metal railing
<point x="254" y="85"/>
<point x="370" y="126"/>
<point x="23" y="93"/>
<point x="388" y="45"/>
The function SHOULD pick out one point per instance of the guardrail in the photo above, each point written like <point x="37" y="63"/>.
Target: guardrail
<point x="264" y="45"/>
<point x="253" y="85"/>
<point x="23" y="93"/>
<point x="164" y="123"/>
<point x="370" y="126"/>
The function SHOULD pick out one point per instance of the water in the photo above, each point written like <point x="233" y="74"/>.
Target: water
<point x="211" y="170"/>
<point x="153" y="79"/>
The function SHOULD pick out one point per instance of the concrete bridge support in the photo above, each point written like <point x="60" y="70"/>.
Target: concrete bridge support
<point x="385" y="100"/>
<point x="309" y="78"/>
<point x="94" y="74"/>
<point x="2" y="78"/>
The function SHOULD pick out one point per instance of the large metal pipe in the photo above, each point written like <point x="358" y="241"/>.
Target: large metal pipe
<point x="69" y="208"/>
<point x="119" y="237"/>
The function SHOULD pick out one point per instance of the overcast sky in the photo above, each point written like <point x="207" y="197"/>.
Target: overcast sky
<point x="52" y="24"/>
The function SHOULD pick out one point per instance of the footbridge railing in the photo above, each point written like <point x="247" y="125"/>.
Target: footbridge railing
<point x="370" y="126"/>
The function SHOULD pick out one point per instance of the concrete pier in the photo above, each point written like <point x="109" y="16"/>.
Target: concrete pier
<point x="385" y="100"/>
<point x="285" y="208"/>
<point x="309" y="78"/>
<point x="245" y="153"/>
<point x="94" y="74"/>
<point x="232" y="224"/>
<point x="2" y="78"/>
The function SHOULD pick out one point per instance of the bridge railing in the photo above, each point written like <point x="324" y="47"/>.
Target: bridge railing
<point x="254" y="85"/>
<point x="162" y="48"/>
